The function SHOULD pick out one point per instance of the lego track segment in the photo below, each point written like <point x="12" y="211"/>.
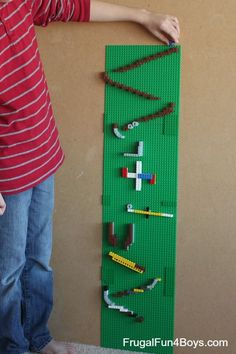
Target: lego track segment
<point x="155" y="237"/>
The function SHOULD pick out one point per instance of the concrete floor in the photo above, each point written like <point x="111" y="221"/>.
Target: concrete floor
<point x="90" y="349"/>
<point x="84" y="349"/>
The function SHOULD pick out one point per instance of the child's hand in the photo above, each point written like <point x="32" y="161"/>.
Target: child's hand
<point x="164" y="27"/>
<point x="2" y="205"/>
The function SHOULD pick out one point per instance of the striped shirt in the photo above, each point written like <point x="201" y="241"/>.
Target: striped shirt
<point x="30" y="150"/>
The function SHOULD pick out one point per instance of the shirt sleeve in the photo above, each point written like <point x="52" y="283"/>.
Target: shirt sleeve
<point x="46" y="11"/>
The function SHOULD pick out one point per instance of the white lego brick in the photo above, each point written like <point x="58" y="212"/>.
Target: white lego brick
<point x="131" y="175"/>
<point x="138" y="186"/>
<point x="140" y="148"/>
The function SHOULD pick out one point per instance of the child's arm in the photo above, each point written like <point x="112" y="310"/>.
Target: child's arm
<point x="164" y="27"/>
<point x="2" y="205"/>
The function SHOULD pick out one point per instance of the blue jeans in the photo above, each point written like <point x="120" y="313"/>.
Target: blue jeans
<point x="26" y="278"/>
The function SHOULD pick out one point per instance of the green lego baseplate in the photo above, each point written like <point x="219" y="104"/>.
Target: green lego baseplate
<point x="154" y="245"/>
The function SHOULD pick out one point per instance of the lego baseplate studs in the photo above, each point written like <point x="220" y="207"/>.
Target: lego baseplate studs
<point x="141" y="108"/>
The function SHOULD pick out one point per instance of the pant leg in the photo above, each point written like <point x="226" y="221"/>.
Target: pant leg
<point x="37" y="276"/>
<point x="13" y="236"/>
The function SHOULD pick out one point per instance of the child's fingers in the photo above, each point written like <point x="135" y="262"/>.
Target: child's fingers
<point x="2" y="205"/>
<point x="162" y="37"/>
<point x="164" y="27"/>
<point x="2" y="210"/>
<point x="170" y="31"/>
<point x="177" y="29"/>
<point x="171" y="35"/>
<point x="176" y="26"/>
<point x="174" y="19"/>
<point x="173" y="32"/>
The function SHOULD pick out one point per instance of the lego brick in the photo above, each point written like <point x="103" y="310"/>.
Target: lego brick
<point x="138" y="186"/>
<point x="130" y="237"/>
<point x="139" y="152"/>
<point x="169" y="282"/>
<point x="155" y="237"/>
<point x="170" y="127"/>
<point x="126" y="262"/>
<point x="129" y="89"/>
<point x="147" y="59"/>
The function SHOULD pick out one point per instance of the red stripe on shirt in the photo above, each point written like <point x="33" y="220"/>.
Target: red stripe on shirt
<point x="30" y="150"/>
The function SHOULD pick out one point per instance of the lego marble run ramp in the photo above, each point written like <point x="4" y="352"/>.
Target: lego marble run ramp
<point x="142" y="86"/>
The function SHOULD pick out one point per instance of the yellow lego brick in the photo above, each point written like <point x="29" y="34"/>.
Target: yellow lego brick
<point x="138" y="290"/>
<point x="125" y="262"/>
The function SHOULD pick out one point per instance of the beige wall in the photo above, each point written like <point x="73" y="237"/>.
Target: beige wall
<point x="73" y="55"/>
